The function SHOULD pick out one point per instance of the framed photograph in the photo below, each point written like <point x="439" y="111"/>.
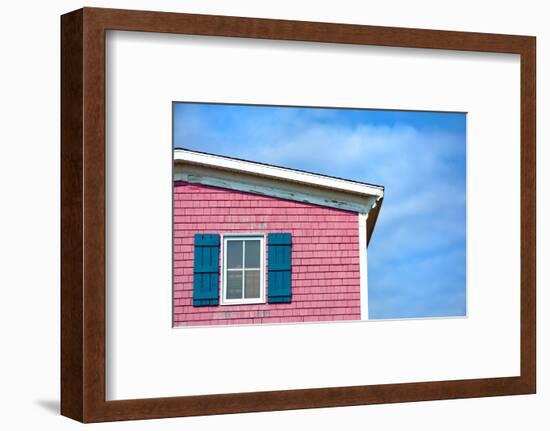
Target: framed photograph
<point x="269" y="215"/>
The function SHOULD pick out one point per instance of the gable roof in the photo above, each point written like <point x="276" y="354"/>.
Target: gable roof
<point x="279" y="172"/>
<point x="277" y="181"/>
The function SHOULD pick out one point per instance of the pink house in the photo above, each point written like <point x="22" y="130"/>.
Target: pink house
<point x="256" y="243"/>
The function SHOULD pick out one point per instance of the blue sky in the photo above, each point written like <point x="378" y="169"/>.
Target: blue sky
<point x="417" y="255"/>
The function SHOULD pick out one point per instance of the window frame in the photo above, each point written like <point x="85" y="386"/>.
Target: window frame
<point x="243" y="237"/>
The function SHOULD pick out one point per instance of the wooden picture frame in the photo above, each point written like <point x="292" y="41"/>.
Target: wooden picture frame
<point x="83" y="214"/>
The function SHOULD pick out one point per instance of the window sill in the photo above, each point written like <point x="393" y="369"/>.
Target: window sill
<point x="243" y="302"/>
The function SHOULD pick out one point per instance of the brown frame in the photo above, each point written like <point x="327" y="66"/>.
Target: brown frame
<point x="83" y="214"/>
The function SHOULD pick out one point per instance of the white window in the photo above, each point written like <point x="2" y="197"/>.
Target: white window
<point x="243" y="269"/>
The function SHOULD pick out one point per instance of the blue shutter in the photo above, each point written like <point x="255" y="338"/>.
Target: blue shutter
<point x="279" y="267"/>
<point x="206" y="270"/>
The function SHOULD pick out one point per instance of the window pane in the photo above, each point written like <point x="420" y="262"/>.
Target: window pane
<point x="252" y="284"/>
<point x="234" y="285"/>
<point x="252" y="254"/>
<point x="234" y="254"/>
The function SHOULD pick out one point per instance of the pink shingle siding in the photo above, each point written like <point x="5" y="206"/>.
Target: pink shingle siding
<point x="325" y="255"/>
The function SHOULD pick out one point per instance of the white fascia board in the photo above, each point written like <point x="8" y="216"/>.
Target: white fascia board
<point x="274" y="187"/>
<point x="275" y="172"/>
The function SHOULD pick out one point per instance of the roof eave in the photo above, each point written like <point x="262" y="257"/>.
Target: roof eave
<point x="277" y="172"/>
<point x="372" y="218"/>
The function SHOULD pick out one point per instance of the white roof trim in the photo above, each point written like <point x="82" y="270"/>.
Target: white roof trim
<point x="275" y="172"/>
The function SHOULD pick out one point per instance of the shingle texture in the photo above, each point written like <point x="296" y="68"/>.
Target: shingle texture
<point x="325" y="255"/>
